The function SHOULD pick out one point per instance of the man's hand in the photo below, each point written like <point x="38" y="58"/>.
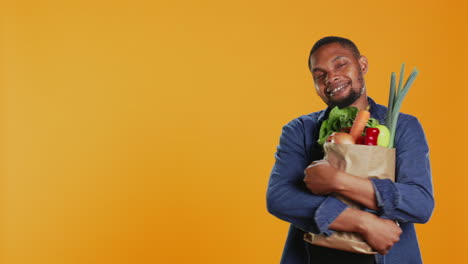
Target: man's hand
<point x="381" y="234"/>
<point x="321" y="178"/>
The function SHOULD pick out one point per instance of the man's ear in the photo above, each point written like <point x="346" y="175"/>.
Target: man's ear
<point x="363" y="63"/>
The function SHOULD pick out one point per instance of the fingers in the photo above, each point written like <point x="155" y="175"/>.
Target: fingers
<point x="392" y="242"/>
<point x="317" y="163"/>
<point x="383" y="236"/>
<point x="383" y="252"/>
<point x="387" y="249"/>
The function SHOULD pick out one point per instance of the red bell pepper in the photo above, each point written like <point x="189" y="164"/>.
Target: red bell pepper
<point x="372" y="134"/>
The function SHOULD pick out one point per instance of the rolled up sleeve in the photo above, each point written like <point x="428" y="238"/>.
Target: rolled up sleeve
<point x="410" y="198"/>
<point x="327" y="212"/>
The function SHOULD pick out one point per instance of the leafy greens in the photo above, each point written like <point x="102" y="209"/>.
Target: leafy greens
<point x="338" y="119"/>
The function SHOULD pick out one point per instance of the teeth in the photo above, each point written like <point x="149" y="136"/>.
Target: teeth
<point x="339" y="88"/>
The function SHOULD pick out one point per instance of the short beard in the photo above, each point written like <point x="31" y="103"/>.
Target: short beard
<point x="352" y="97"/>
<point x="349" y="100"/>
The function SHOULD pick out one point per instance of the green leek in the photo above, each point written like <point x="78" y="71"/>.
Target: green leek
<point x="396" y="99"/>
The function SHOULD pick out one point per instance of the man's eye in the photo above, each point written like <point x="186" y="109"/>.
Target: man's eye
<point x="320" y="77"/>
<point x="341" y="65"/>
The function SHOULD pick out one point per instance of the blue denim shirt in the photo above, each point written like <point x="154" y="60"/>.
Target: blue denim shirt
<point x="408" y="200"/>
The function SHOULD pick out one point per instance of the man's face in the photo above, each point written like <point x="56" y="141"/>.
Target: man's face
<point x="338" y="75"/>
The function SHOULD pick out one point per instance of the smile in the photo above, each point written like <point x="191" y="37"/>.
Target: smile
<point x="337" y="89"/>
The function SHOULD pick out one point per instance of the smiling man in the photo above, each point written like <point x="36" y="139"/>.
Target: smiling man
<point x="302" y="184"/>
<point x="338" y="73"/>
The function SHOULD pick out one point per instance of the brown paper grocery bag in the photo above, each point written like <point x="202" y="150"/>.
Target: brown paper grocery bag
<point x="363" y="161"/>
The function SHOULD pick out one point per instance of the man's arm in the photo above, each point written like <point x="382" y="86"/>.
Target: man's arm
<point x="410" y="199"/>
<point x="290" y="200"/>
<point x="379" y="233"/>
<point x="322" y="179"/>
<point x="287" y="196"/>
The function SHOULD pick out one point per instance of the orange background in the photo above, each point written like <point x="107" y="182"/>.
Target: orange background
<point x="144" y="132"/>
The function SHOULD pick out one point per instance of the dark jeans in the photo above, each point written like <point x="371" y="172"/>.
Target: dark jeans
<point x="323" y="255"/>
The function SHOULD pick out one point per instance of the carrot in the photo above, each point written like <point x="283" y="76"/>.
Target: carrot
<point x="360" y="123"/>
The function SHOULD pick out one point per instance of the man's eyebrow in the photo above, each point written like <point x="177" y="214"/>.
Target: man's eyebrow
<point x="316" y="69"/>
<point x="337" y="58"/>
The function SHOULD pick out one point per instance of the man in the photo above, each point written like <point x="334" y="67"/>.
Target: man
<point x="306" y="202"/>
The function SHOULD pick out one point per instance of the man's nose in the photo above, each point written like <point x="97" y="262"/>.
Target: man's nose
<point x="332" y="78"/>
